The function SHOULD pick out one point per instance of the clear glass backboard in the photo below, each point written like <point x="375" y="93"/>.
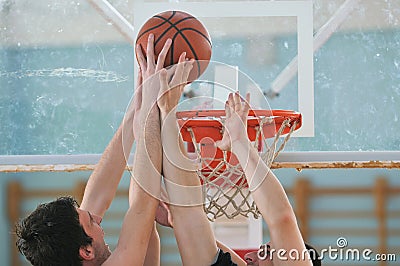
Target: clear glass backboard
<point x="66" y="77"/>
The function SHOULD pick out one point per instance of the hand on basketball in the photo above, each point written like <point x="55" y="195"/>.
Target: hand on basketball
<point x="172" y="84"/>
<point x="149" y="68"/>
<point x="235" y="127"/>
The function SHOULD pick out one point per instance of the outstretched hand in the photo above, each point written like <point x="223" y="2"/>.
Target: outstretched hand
<point x="150" y="68"/>
<point x="235" y="127"/>
<point x="171" y="88"/>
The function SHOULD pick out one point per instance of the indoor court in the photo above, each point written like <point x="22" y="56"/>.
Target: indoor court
<point x="68" y="73"/>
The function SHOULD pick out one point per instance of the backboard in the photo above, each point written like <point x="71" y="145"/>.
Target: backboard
<point x="336" y="63"/>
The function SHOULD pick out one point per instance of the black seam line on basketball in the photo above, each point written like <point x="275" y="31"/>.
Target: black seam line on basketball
<point x="199" y="32"/>
<point x="159" y="25"/>
<point x="172" y="25"/>
<point x="190" y="47"/>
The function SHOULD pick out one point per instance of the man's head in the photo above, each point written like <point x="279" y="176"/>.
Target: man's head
<point x="59" y="233"/>
<point x="262" y="257"/>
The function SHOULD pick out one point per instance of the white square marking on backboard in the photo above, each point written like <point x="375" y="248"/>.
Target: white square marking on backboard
<point x="227" y="76"/>
<point x="303" y="10"/>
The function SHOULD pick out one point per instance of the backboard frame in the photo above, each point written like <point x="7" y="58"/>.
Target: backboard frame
<point x="302" y="10"/>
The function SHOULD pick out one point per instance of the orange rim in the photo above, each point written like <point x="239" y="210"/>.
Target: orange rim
<point x="206" y="123"/>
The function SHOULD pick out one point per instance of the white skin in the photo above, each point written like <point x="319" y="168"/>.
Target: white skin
<point x="138" y="231"/>
<point x="190" y="222"/>
<point x="267" y="191"/>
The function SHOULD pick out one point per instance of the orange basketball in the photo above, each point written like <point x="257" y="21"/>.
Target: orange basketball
<point x="188" y="35"/>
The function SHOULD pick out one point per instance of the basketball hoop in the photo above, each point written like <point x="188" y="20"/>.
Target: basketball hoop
<point x="225" y="189"/>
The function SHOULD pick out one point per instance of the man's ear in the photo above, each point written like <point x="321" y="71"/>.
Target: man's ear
<point x="86" y="252"/>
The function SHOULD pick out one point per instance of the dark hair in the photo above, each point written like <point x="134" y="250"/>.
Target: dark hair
<point x="316" y="260"/>
<point x="52" y="234"/>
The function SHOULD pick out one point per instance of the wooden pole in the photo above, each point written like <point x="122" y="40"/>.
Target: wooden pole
<point x="79" y="190"/>
<point x="381" y="192"/>
<point x="14" y="195"/>
<point x="301" y="194"/>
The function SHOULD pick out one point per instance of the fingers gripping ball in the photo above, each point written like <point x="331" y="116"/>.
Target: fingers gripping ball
<point x="188" y="35"/>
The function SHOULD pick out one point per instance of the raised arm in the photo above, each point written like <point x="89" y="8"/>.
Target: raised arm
<point x="192" y="230"/>
<point x="139" y="220"/>
<point x="267" y="191"/>
<point x="153" y="249"/>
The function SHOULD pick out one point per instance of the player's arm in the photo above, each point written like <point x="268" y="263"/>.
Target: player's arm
<point x="139" y="220"/>
<point x="267" y="191"/>
<point x="153" y="249"/>
<point x="192" y="230"/>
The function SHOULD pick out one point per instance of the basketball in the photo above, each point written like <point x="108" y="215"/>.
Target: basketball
<point x="188" y="35"/>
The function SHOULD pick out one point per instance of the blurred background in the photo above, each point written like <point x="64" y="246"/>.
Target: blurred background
<point x="67" y="76"/>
